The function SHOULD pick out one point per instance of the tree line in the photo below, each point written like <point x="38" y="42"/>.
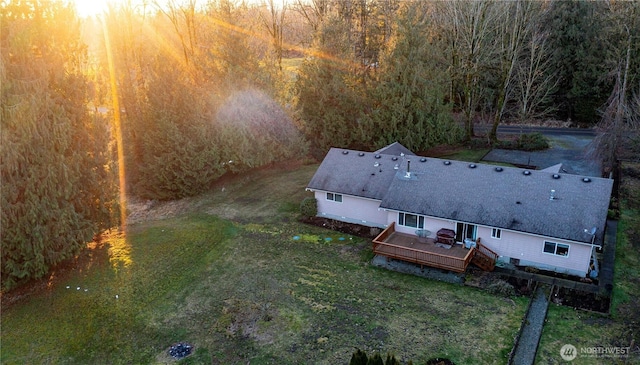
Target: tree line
<point x="416" y="67"/>
<point x="201" y="90"/>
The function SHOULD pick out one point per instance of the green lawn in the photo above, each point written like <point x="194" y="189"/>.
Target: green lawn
<point x="229" y="277"/>
<point x="583" y="329"/>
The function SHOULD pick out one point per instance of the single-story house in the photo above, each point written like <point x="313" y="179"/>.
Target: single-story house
<point x="545" y="219"/>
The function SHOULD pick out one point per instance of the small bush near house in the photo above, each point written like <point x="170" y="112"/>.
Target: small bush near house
<point x="309" y="207"/>
<point x="501" y="287"/>
<point x="532" y="269"/>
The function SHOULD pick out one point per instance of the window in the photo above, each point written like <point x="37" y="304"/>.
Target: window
<point x="496" y="233"/>
<point x="334" y="197"/>
<point x="556" y="248"/>
<point x="411" y="220"/>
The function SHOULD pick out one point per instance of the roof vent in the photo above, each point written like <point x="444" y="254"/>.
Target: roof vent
<point x="396" y="167"/>
<point x="586" y="179"/>
<point x="376" y="164"/>
<point x="472" y="166"/>
<point x="499" y="169"/>
<point x="394" y="158"/>
<point x="447" y="163"/>
<point x="556" y="176"/>
<point x="552" y="196"/>
<point x="345" y="152"/>
<point x="423" y="160"/>
<point x="361" y="154"/>
<point x="377" y="156"/>
<point x="526" y="172"/>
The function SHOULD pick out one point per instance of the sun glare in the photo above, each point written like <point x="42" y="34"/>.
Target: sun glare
<point x="89" y="8"/>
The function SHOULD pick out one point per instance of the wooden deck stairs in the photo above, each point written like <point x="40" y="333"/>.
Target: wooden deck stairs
<point x="484" y="257"/>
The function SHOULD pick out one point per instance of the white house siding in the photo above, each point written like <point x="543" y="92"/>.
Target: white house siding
<point x="352" y="210"/>
<point x="527" y="248"/>
<point x="431" y="224"/>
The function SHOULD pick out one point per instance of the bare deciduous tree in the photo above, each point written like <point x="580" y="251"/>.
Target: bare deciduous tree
<point x="469" y="27"/>
<point x="178" y="14"/>
<point x="273" y="21"/>
<point x="313" y="11"/>
<point x="535" y="81"/>
<point x="515" y="25"/>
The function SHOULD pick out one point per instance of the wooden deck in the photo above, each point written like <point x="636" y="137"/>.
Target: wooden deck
<point x="422" y="251"/>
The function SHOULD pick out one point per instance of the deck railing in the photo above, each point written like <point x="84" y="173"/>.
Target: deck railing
<point x="486" y="251"/>
<point x="421" y="257"/>
<point x="385" y="234"/>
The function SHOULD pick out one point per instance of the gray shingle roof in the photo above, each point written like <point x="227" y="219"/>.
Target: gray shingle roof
<point x="355" y="173"/>
<point x="395" y="149"/>
<point x="508" y="199"/>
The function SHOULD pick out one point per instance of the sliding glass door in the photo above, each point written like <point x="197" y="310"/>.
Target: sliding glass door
<point x="464" y="230"/>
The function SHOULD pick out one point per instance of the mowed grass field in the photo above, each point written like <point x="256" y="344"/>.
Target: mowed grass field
<point x="224" y="273"/>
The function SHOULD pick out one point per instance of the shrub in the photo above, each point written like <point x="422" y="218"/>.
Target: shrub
<point x="359" y="357"/>
<point x="525" y="142"/>
<point x="501" y="287"/>
<point x="532" y="142"/>
<point x="309" y="207"/>
<point x="613" y="214"/>
<point x="391" y="360"/>
<point x="376" y="359"/>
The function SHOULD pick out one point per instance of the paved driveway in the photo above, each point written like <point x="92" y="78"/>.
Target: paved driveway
<point x="568" y="149"/>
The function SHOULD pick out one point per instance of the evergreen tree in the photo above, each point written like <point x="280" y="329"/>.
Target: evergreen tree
<point x="408" y="103"/>
<point x="177" y="151"/>
<point x="188" y="111"/>
<point x="577" y="39"/>
<point x="620" y="115"/>
<point x="329" y="101"/>
<point x="57" y="183"/>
